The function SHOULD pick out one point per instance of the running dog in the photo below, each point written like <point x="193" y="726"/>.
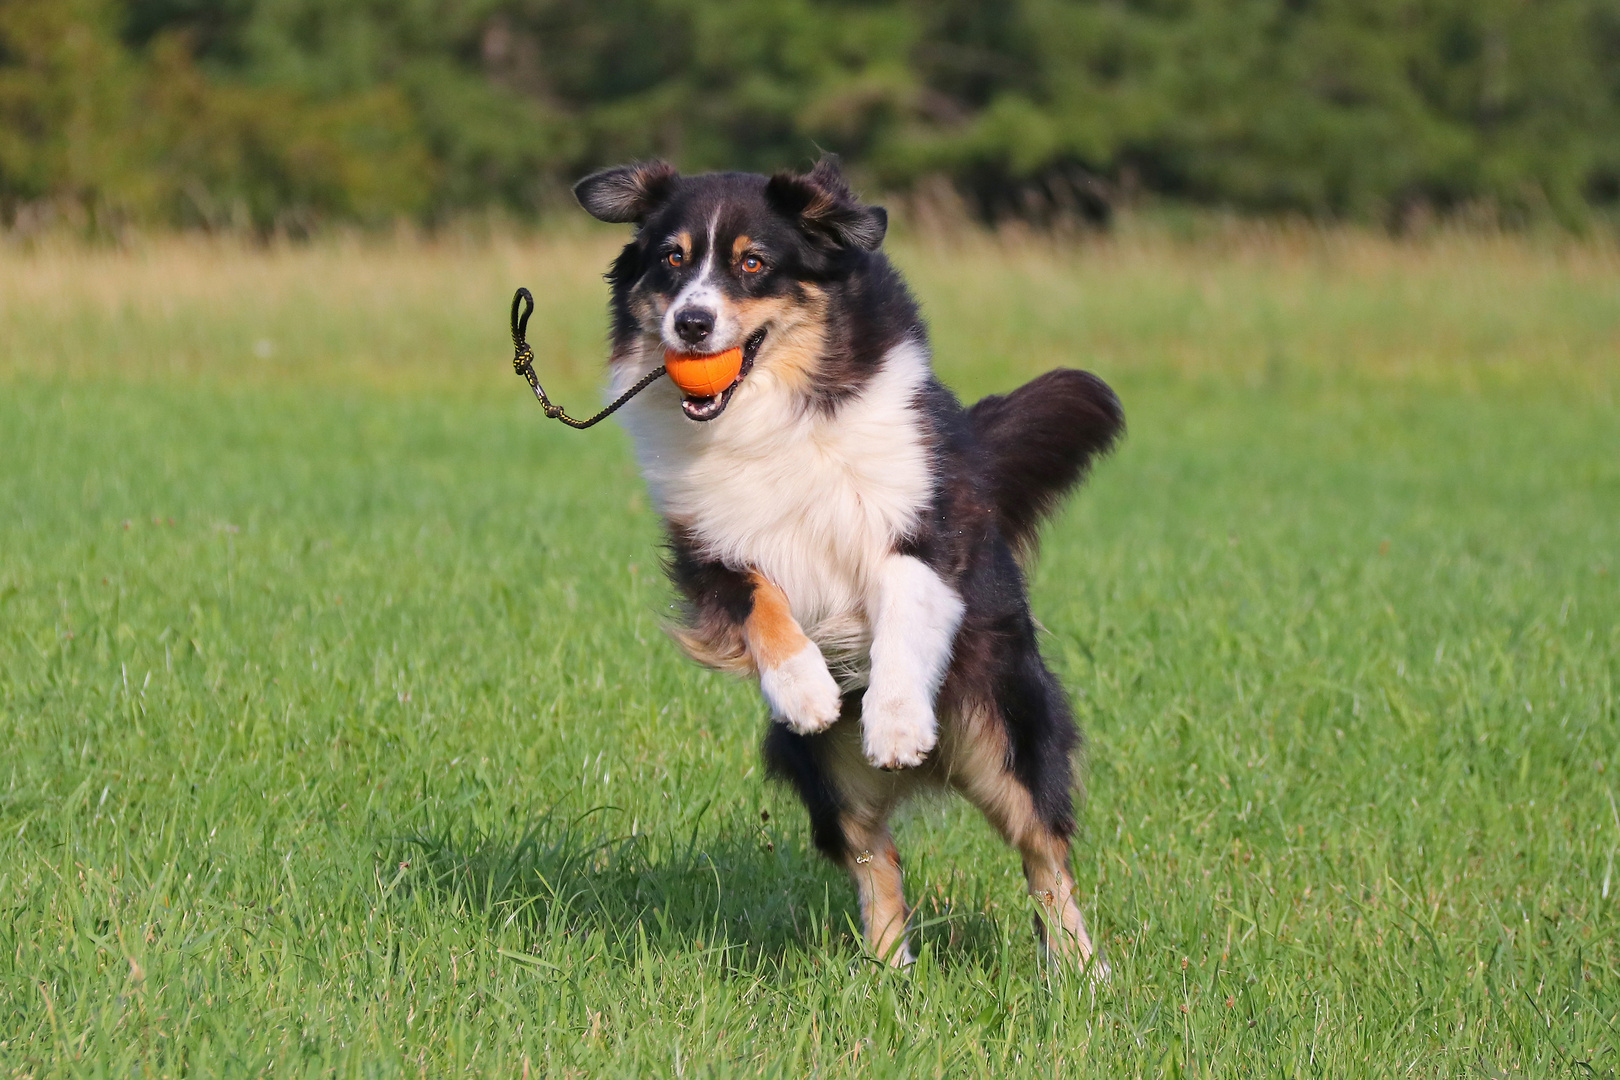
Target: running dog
<point x="841" y="528"/>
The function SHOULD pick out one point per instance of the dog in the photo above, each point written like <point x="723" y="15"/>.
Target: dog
<point x="842" y="529"/>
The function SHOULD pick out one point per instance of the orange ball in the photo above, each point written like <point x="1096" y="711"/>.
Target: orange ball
<point x="704" y="375"/>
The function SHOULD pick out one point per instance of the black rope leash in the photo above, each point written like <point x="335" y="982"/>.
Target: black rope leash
<point x="523" y="364"/>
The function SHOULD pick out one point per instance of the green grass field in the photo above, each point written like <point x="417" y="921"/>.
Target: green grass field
<point x="340" y="736"/>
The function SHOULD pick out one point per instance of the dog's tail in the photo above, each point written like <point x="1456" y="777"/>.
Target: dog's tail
<point x="1041" y="440"/>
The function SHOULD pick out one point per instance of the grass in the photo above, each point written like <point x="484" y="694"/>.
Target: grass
<point x="341" y="738"/>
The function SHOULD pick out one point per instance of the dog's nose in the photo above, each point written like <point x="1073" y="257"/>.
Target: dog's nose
<point x="694" y="324"/>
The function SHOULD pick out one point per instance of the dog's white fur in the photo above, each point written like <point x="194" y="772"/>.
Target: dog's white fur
<point x="703" y="292"/>
<point x="801" y="691"/>
<point x="914" y="616"/>
<point x="816" y="502"/>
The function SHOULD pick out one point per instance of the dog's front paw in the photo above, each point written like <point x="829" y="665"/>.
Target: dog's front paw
<point x="897" y="730"/>
<point x="801" y="691"/>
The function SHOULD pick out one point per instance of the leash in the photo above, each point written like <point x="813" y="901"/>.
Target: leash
<point x="523" y="364"/>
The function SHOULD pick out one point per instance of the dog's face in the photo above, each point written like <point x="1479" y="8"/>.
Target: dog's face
<point x="727" y="261"/>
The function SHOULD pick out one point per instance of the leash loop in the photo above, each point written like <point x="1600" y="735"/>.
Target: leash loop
<point x="523" y="364"/>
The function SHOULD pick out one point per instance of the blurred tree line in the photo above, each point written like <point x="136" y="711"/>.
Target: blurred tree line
<point x="278" y="114"/>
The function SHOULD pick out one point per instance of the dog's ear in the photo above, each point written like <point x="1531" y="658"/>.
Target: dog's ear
<point x="825" y="207"/>
<point x="628" y="193"/>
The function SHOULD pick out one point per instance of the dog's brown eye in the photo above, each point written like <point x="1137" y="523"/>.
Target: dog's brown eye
<point x="675" y="258"/>
<point x="752" y="264"/>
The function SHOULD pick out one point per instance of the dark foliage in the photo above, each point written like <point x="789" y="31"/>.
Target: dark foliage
<point x="279" y="113"/>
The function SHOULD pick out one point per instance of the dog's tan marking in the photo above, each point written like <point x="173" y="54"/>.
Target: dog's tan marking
<point x="769" y="637"/>
<point x="739" y="245"/>
<point x="975" y="757"/>
<point x="772" y="634"/>
<point x="1046" y="871"/>
<point x="714" y="645"/>
<point x="714" y="639"/>
<point x="874" y="864"/>
<point x="683" y="240"/>
<point x="868" y="796"/>
<point x="648" y="308"/>
<point x="798" y="337"/>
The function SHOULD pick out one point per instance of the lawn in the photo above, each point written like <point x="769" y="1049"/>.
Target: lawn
<point x="341" y="737"/>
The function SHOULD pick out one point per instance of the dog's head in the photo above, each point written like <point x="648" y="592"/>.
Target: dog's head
<point x="727" y="270"/>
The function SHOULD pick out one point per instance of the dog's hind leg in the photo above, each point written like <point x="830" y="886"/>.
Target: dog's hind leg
<point x="1051" y="882"/>
<point x="849" y="803"/>
<point x="874" y="866"/>
<point x="981" y="767"/>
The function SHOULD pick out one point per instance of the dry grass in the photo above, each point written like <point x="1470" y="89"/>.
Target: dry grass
<point x="1464" y="311"/>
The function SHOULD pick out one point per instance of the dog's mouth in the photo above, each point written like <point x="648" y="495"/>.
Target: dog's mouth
<point x="704" y="409"/>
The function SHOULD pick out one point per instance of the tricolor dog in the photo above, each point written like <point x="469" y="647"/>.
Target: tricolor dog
<point x="841" y="528"/>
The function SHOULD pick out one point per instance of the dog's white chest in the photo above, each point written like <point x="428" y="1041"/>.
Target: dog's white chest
<point x="812" y="501"/>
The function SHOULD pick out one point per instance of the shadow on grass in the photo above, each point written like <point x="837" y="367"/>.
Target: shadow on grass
<point x="576" y="877"/>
